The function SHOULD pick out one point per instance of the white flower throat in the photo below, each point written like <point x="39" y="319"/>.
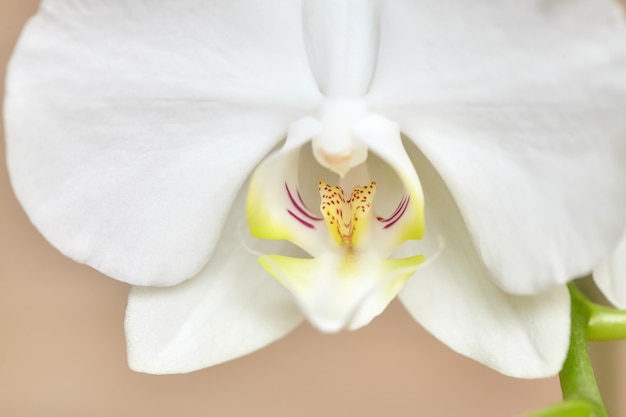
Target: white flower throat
<point x="350" y="277"/>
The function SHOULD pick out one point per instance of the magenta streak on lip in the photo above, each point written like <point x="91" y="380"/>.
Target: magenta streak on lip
<point x="304" y="205"/>
<point x="298" y="207"/>
<point x="404" y="200"/>
<point x="388" y="219"/>
<point x="304" y="222"/>
<point x="403" y="206"/>
<point x="399" y="212"/>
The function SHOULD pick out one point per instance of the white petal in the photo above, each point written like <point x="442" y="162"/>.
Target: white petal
<point x="131" y="126"/>
<point x="542" y="189"/>
<point x="532" y="147"/>
<point x="481" y="51"/>
<point x="342" y="43"/>
<point x="610" y="275"/>
<point x="455" y="299"/>
<point x="231" y="308"/>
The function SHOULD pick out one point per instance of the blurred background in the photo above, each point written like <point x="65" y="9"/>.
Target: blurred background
<point x="62" y="349"/>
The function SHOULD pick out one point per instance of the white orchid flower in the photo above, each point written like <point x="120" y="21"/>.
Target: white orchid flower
<point x="485" y="138"/>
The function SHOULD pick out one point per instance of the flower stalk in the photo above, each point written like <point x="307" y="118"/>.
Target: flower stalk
<point x="590" y="321"/>
<point x="578" y="381"/>
<point x="605" y="323"/>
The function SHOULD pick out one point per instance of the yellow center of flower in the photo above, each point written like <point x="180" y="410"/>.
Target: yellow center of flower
<point x="346" y="219"/>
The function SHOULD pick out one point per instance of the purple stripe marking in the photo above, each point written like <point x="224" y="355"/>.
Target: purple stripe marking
<point x="297" y="206"/>
<point x="395" y="213"/>
<point x="402" y="211"/>
<point x="304" y="222"/>
<point x="306" y="208"/>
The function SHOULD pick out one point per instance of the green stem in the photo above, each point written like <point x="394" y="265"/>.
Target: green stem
<point x="577" y="378"/>
<point x="605" y="323"/>
<point x="581" y="396"/>
<point x="573" y="408"/>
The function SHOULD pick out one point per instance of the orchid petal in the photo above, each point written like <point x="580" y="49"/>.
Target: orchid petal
<point x="454" y="298"/>
<point x="610" y="275"/>
<point x="229" y="309"/>
<point x="542" y="189"/>
<point x="129" y="132"/>
<point x="513" y="130"/>
<point x="455" y="51"/>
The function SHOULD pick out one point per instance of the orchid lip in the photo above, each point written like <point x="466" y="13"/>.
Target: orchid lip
<point x="307" y="219"/>
<point x="348" y="279"/>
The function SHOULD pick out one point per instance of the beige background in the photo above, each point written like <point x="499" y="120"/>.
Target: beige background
<point x="62" y="349"/>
